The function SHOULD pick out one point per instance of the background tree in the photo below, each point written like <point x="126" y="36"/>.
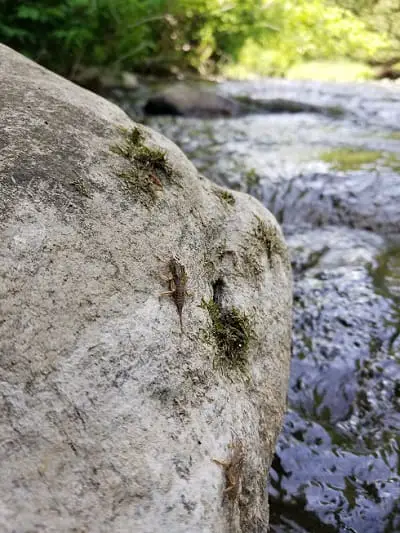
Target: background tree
<point x="163" y="36"/>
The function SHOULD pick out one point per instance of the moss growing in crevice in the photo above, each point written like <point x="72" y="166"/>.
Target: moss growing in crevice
<point x="148" y="168"/>
<point x="251" y="265"/>
<point x="269" y="238"/>
<point x="231" y="331"/>
<point x="225" y="196"/>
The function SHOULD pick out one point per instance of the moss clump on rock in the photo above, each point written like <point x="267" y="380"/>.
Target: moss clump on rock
<point x="153" y="158"/>
<point x="231" y="331"/>
<point x="225" y="196"/>
<point x="269" y="238"/>
<point x="133" y="139"/>
<point x="148" y="166"/>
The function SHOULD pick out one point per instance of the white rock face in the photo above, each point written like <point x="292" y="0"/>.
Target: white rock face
<point x="112" y="419"/>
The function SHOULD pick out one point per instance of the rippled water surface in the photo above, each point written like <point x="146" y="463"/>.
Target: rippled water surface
<point x="334" y="185"/>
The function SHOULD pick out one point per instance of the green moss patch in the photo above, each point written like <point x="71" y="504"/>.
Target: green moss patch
<point x="148" y="167"/>
<point x="225" y="196"/>
<point x="133" y="140"/>
<point x="251" y="179"/>
<point x="231" y="331"/>
<point x="348" y="159"/>
<point x="395" y="135"/>
<point x="269" y="238"/>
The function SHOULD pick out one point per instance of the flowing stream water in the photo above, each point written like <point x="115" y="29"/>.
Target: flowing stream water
<point x="334" y="185"/>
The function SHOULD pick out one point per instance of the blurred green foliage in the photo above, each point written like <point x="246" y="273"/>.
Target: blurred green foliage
<point x="310" y="30"/>
<point x="63" y="35"/>
<point x="383" y="16"/>
<point x="162" y="36"/>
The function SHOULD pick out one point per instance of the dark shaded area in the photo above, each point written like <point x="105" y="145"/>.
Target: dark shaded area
<point x="280" y="105"/>
<point x="192" y="101"/>
<point x="159" y="106"/>
<point x="218" y="289"/>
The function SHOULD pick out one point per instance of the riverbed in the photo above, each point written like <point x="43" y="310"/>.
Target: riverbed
<point x="334" y="185"/>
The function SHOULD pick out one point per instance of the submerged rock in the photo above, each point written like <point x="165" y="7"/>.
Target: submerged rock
<point x="194" y="101"/>
<point x="113" y="419"/>
<point x="282" y="105"/>
<point x="98" y="79"/>
<point x="181" y="99"/>
<point x="359" y="199"/>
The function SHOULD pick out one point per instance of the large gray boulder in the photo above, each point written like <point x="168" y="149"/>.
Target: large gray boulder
<point x="112" y="418"/>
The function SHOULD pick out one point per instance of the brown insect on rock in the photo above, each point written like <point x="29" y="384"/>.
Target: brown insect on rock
<point x="233" y="469"/>
<point x="177" y="285"/>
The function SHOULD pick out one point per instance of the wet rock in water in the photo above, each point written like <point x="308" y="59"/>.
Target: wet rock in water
<point x="337" y="461"/>
<point x="368" y="103"/>
<point x="181" y="99"/>
<point x="363" y="200"/>
<point x="112" y="417"/>
<point x="192" y="100"/>
<point x="281" y="105"/>
<point x="98" y="79"/>
<point x="333" y="247"/>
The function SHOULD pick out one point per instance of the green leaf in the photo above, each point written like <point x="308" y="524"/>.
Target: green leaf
<point x="30" y="13"/>
<point x="12" y="32"/>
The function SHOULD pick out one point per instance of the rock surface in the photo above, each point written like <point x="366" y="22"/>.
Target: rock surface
<point x="112" y="419"/>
